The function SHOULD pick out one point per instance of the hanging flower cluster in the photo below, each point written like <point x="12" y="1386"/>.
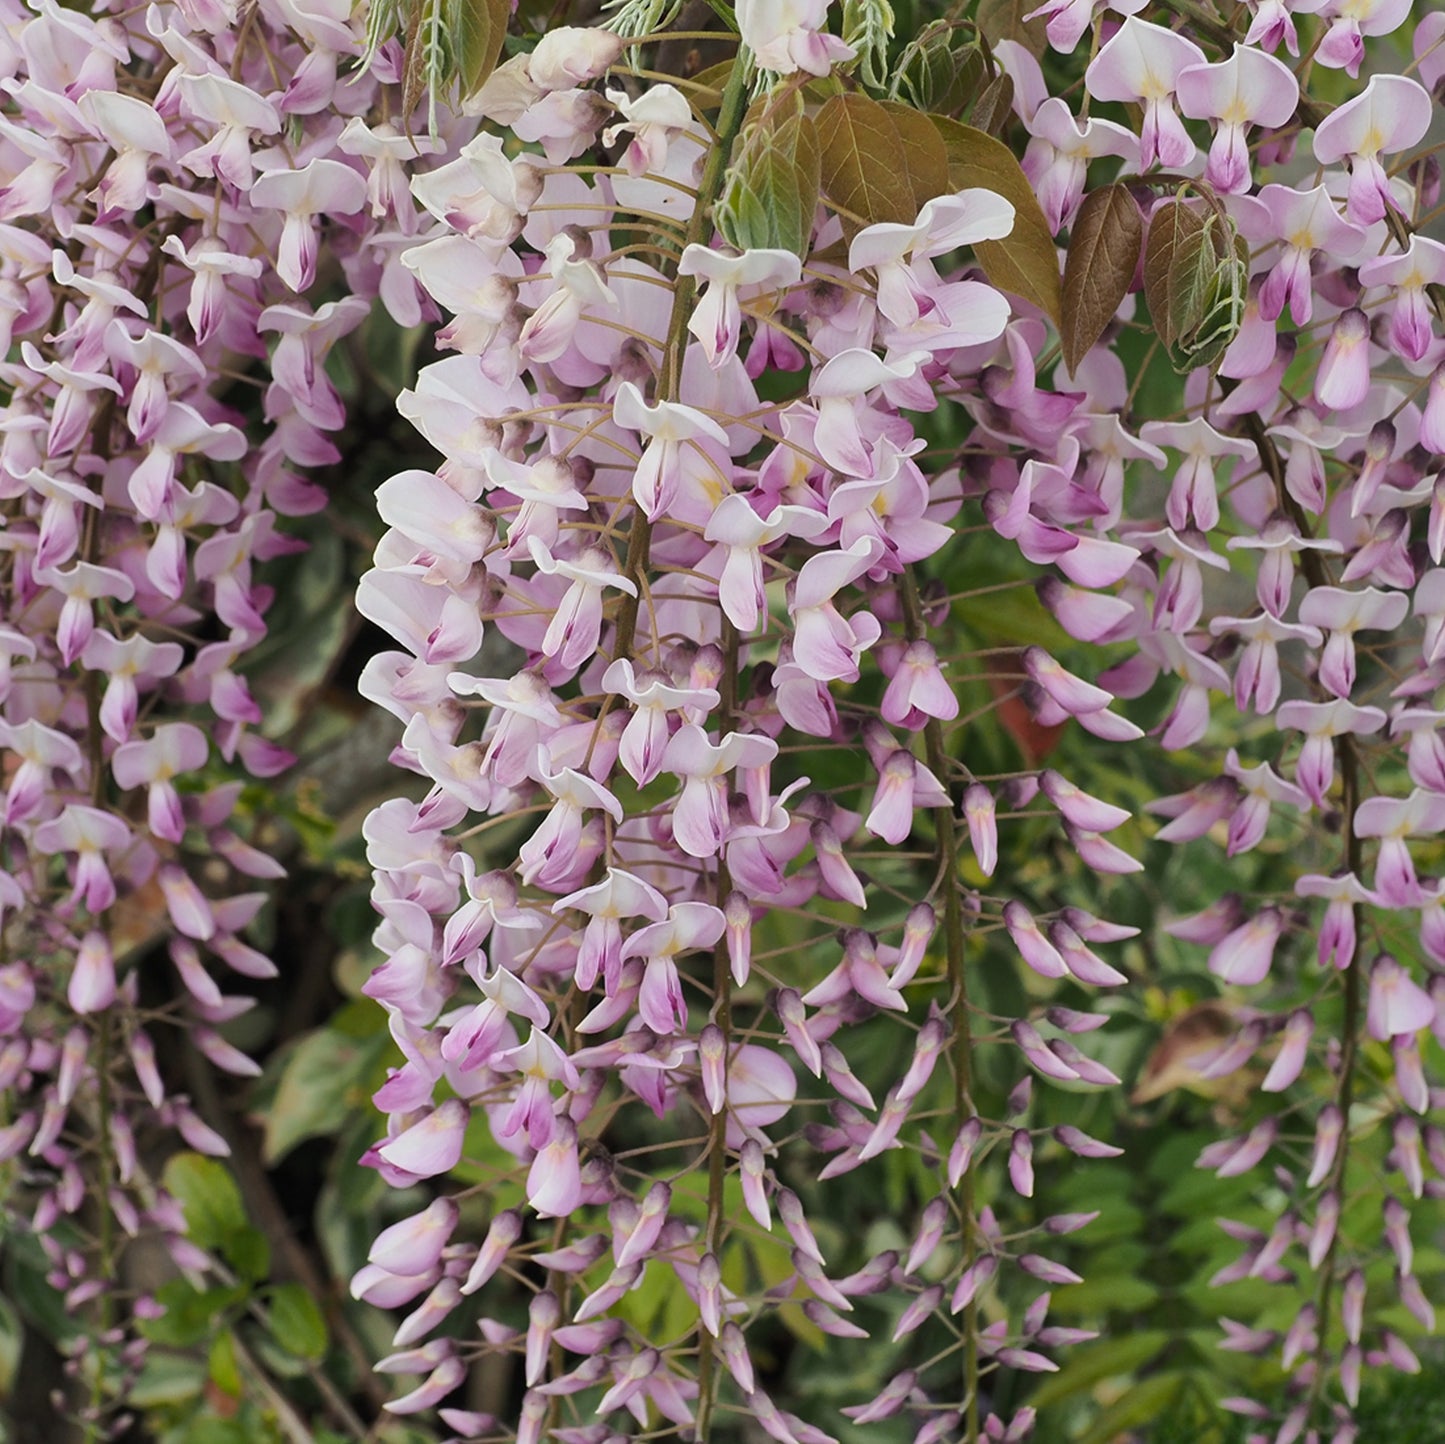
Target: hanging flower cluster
<point x="637" y="606"/>
<point x="167" y="179"/>
<point x="1295" y="570"/>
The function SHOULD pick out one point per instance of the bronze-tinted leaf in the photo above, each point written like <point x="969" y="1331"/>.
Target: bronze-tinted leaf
<point x="771" y="192"/>
<point x="1103" y="256"/>
<point x="1026" y="263"/>
<point x="413" y="74"/>
<point x="1171" y="255"/>
<point x="705" y="89"/>
<point x="1196" y="272"/>
<point x="1004" y="20"/>
<point x="1189" y="1041"/>
<point x="925" y="157"/>
<point x="861" y="152"/>
<point x="994" y="106"/>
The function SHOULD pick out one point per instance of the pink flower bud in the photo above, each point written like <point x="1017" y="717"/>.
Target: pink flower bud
<point x="922" y="1308"/>
<point x="414" y="1245"/>
<point x="1048" y="1270"/>
<point x="961" y="1154"/>
<point x="755" y="1196"/>
<point x="432" y="1145"/>
<point x="978" y="811"/>
<point x="1021" y="1162"/>
<point x="1322" y="1235"/>
<point x="973" y="1278"/>
<point x="92" y="980"/>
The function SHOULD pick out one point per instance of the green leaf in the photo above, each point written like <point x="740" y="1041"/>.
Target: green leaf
<point x="861" y="152"/>
<point x="1090" y="1364"/>
<point x="1026" y="263"/>
<point x="771" y="193"/>
<point x="190" y="1313"/>
<point x="208" y="1194"/>
<point x="478" y="28"/>
<point x="1224" y="296"/>
<point x="1141" y="1404"/>
<point x="936" y="73"/>
<point x="868" y="27"/>
<point x="705" y="89"/>
<point x="167" y="1380"/>
<point x="296" y="1321"/>
<point x="249" y="1254"/>
<point x="1116" y="1291"/>
<point x="313" y="1097"/>
<point x="224" y="1373"/>
<point x="382" y="19"/>
<point x="12" y="1335"/>
<point x="1107" y="235"/>
<point x="208" y="1429"/>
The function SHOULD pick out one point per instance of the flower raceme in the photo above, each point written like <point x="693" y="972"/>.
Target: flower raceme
<point x="158" y="242"/>
<point x="635" y="657"/>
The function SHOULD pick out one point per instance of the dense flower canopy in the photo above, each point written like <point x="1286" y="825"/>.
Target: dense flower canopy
<point x="756" y="388"/>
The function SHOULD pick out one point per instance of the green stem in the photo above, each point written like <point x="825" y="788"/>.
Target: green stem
<point x="1209" y="25"/>
<point x="95" y="1428"/>
<point x="955" y="942"/>
<point x="669" y="376"/>
<point x="722" y="979"/>
<point x="105" y="1262"/>
<point x="635" y="567"/>
<point x="1347" y="760"/>
<point x="1347" y="756"/>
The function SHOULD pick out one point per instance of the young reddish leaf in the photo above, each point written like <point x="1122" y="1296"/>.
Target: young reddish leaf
<point x="1190" y="1039"/>
<point x="1027" y="262"/>
<point x="1035" y="739"/>
<point x="861" y="149"/>
<point x="1103" y="256"/>
<point x="925" y="158"/>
